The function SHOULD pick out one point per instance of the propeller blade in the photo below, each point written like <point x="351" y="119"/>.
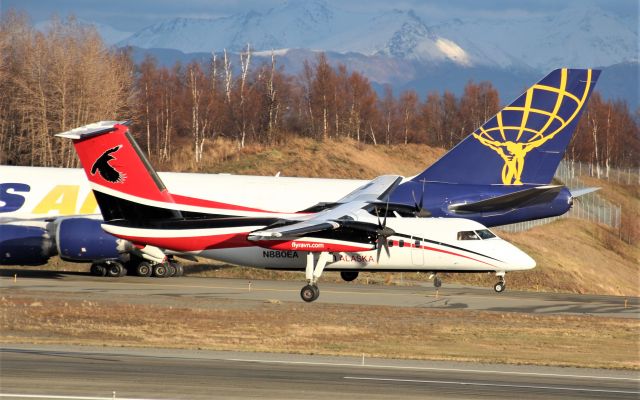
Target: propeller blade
<point x="386" y="247"/>
<point x="420" y="211"/>
<point x="386" y="211"/>
<point x="382" y="242"/>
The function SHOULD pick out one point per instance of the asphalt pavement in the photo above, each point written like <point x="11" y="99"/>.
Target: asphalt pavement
<point x="68" y="372"/>
<point x="450" y="296"/>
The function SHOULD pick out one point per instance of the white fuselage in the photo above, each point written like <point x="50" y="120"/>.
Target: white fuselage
<point x="51" y="192"/>
<point x="419" y="244"/>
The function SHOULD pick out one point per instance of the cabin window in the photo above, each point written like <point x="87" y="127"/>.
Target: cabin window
<point x="485" y="234"/>
<point x="401" y="243"/>
<point x="390" y="243"/>
<point x="468" y="235"/>
<point x="417" y="243"/>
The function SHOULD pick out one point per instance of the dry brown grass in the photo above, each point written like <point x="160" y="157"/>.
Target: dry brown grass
<point x="325" y="329"/>
<point x="334" y="158"/>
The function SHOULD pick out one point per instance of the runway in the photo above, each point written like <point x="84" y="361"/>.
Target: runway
<point x="97" y="373"/>
<point x="150" y="290"/>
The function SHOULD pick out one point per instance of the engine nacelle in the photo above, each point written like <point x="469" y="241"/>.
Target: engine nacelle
<point x="82" y="239"/>
<point x="24" y="245"/>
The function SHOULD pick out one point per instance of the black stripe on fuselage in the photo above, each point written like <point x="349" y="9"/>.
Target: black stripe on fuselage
<point x="126" y="213"/>
<point x="443" y="244"/>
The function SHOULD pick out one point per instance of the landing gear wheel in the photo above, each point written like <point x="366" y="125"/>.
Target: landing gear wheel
<point x="437" y="282"/>
<point x="348" y="276"/>
<point x="499" y="287"/>
<point x="115" y="269"/>
<point x="171" y="269"/>
<point x="310" y="293"/>
<point x="160" y="270"/>
<point x="144" y="268"/>
<point x="179" y="269"/>
<point x="98" y="269"/>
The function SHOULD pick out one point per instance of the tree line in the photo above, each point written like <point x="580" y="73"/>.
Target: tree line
<point x="67" y="77"/>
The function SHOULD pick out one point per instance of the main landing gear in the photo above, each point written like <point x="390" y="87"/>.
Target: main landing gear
<point x="313" y="271"/>
<point x="110" y="268"/>
<point x="502" y="284"/>
<point x="137" y="266"/>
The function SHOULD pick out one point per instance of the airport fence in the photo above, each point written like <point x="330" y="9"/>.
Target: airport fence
<point x="591" y="207"/>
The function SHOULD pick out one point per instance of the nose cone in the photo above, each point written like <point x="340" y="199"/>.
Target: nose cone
<point x="518" y="259"/>
<point x="523" y="261"/>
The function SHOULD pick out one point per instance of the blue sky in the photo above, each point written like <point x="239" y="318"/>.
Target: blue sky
<point x="132" y="15"/>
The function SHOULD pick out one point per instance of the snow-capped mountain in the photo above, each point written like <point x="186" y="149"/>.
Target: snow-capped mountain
<point x="411" y="51"/>
<point x="309" y="25"/>
<point x="109" y="34"/>
<point x="578" y="37"/>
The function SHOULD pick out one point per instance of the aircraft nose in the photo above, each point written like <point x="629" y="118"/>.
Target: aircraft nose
<point x="521" y="260"/>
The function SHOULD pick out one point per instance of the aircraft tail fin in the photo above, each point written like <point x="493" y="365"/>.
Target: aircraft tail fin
<point x="123" y="181"/>
<point x="526" y="140"/>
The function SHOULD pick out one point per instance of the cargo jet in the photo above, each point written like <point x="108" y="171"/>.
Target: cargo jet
<point x="361" y="231"/>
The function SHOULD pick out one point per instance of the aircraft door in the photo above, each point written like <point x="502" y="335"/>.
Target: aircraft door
<point x="417" y="253"/>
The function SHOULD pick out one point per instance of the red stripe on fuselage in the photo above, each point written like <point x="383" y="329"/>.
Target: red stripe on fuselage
<point x="197" y="243"/>
<point x="193" y="201"/>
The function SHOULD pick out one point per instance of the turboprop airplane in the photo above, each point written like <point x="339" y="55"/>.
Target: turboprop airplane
<point x="347" y="236"/>
<point x="500" y="174"/>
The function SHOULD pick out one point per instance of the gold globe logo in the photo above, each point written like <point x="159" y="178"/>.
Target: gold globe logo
<point x="537" y="126"/>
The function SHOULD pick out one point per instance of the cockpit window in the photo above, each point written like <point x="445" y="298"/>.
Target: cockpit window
<point x="468" y="235"/>
<point x="485" y="234"/>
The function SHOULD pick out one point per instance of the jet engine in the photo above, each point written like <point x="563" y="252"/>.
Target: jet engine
<point x="25" y="245"/>
<point x="82" y="239"/>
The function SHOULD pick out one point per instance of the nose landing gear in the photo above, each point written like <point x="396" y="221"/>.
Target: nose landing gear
<point x="502" y="284"/>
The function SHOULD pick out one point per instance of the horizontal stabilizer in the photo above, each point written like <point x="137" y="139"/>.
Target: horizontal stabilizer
<point x="92" y="129"/>
<point x="508" y="201"/>
<point x="583" y="191"/>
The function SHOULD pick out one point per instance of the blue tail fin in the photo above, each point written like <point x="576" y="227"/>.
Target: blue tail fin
<point x="526" y="140"/>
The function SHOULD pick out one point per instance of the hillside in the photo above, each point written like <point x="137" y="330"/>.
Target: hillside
<point x="308" y="158"/>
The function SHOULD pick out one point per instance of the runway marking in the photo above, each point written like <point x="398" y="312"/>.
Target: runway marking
<point x="50" y="396"/>
<point x="399" y="367"/>
<point x="505" y="385"/>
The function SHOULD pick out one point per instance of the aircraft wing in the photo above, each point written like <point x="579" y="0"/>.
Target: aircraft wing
<point x="508" y="201"/>
<point x="378" y="189"/>
<point x="339" y="215"/>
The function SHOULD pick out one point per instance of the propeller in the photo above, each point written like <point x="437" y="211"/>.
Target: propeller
<point x="420" y="211"/>
<point x="383" y="233"/>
